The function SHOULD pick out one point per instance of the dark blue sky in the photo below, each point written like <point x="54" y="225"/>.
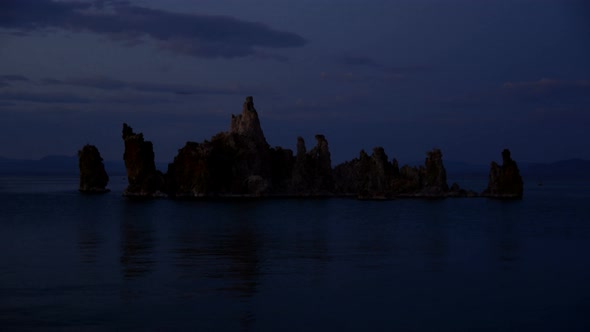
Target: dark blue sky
<point x="469" y="77"/>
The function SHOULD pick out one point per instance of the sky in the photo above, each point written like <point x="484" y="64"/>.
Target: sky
<point x="470" y="77"/>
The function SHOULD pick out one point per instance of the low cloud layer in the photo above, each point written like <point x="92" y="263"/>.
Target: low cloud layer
<point x="548" y="89"/>
<point x="190" y="34"/>
<point x="109" y="84"/>
<point x="542" y="92"/>
<point x="370" y="62"/>
<point x="43" y="97"/>
<point x="8" y="80"/>
<point x="139" y="93"/>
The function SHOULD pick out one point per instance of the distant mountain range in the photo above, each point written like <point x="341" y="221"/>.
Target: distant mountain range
<point x="58" y="165"/>
<point x="68" y="165"/>
<point x="563" y="169"/>
<point x="52" y="165"/>
<point x="571" y="169"/>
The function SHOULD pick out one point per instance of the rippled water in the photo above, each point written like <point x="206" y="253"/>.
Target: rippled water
<point x="77" y="262"/>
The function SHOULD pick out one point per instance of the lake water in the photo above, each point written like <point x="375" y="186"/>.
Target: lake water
<point x="91" y="263"/>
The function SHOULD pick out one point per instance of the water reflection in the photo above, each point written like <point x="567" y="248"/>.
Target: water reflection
<point x="88" y="242"/>
<point x="137" y="244"/>
<point x="241" y="248"/>
<point x="436" y="243"/>
<point x="298" y="243"/>
<point x="377" y="232"/>
<point x="310" y="243"/>
<point x="89" y="238"/>
<point x="225" y="248"/>
<point x="247" y="321"/>
<point x="507" y="238"/>
<point x="432" y="233"/>
<point x="286" y="265"/>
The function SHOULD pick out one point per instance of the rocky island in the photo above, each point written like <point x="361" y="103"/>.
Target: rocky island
<point x="143" y="178"/>
<point x="241" y="163"/>
<point x="505" y="180"/>
<point x="93" y="177"/>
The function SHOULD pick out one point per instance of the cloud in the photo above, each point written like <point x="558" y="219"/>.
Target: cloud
<point x="351" y="60"/>
<point x="543" y="92"/>
<point x="464" y="102"/>
<point x="196" y="35"/>
<point x="356" y="77"/>
<point x="137" y="99"/>
<point x="547" y="90"/>
<point x="106" y="83"/>
<point x="369" y="62"/>
<point x="343" y="77"/>
<point x="7" y="80"/>
<point x="13" y="78"/>
<point x="112" y="91"/>
<point x="43" y="97"/>
<point x="546" y="84"/>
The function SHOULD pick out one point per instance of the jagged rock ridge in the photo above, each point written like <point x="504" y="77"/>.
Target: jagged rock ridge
<point x="375" y="177"/>
<point x="240" y="162"/>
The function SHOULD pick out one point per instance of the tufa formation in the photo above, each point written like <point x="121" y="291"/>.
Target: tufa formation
<point x="93" y="177"/>
<point x="504" y="181"/>
<point x="241" y="163"/>
<point x="143" y="178"/>
<point x="374" y="177"/>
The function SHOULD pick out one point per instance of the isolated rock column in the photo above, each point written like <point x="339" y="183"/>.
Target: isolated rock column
<point x="504" y="181"/>
<point x="93" y="177"/>
<point x="142" y="176"/>
<point x="435" y="175"/>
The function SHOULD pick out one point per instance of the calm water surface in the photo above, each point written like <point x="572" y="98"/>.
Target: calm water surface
<point x="92" y="263"/>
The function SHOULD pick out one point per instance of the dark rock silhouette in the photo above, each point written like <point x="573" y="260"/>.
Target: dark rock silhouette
<point x="312" y="171"/>
<point x="435" y="176"/>
<point x="283" y="164"/>
<point x="321" y="166"/>
<point x="374" y="177"/>
<point x="241" y="163"/>
<point x="456" y="191"/>
<point x="366" y="176"/>
<point x="301" y="173"/>
<point x="504" y="181"/>
<point x="143" y="178"/>
<point x="237" y="162"/>
<point x="93" y="177"/>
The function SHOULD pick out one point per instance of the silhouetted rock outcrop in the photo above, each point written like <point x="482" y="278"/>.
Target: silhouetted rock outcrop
<point x="504" y="181"/>
<point x="237" y="162"/>
<point x="93" y="177"/>
<point x="456" y="191"/>
<point x="301" y="176"/>
<point x="366" y="176"/>
<point x="375" y="177"/>
<point x="429" y="180"/>
<point x="282" y="164"/>
<point x="224" y="166"/>
<point x="435" y="175"/>
<point x="312" y="171"/>
<point x="240" y="162"/>
<point x="143" y="178"/>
